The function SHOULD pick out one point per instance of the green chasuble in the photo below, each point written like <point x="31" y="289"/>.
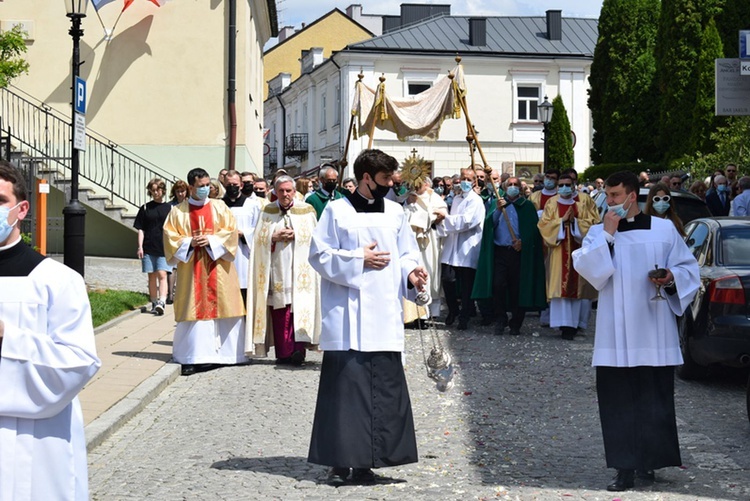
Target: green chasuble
<point x="533" y="295"/>
<point x="319" y="200"/>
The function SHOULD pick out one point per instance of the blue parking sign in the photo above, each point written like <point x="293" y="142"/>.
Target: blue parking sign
<point x="744" y="44"/>
<point x="80" y="104"/>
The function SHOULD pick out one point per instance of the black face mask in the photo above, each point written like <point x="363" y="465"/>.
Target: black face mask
<point x="480" y="183"/>
<point x="247" y="188"/>
<point x="329" y="186"/>
<point x="233" y="191"/>
<point x="261" y="194"/>
<point x="380" y="191"/>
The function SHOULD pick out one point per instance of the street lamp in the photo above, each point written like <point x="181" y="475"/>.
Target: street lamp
<point x="545" y="115"/>
<point x="74" y="214"/>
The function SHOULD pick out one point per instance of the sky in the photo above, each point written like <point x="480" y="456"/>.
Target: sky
<point x="295" y="12"/>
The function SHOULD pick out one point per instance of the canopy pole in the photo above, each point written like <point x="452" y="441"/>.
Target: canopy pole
<point x="381" y="91"/>
<point x="344" y="160"/>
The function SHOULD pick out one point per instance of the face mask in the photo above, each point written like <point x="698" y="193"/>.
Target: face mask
<point x="6" y="228"/>
<point x="329" y="186"/>
<point x="261" y="194"/>
<point x="399" y="190"/>
<point x="513" y="191"/>
<point x="379" y="191"/>
<point x="722" y="188"/>
<point x="564" y="191"/>
<point x="480" y="183"/>
<point x="661" y="206"/>
<point x="466" y="186"/>
<point x="247" y="189"/>
<point x="233" y="191"/>
<point x="620" y="209"/>
<point x="549" y="184"/>
<point x="201" y="193"/>
<point x="439" y="190"/>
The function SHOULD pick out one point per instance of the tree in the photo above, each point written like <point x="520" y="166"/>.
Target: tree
<point x="623" y="94"/>
<point x="12" y="46"/>
<point x="560" y="140"/>
<point x="731" y="147"/>
<point x="735" y="16"/>
<point x="681" y="27"/>
<point x="704" y="121"/>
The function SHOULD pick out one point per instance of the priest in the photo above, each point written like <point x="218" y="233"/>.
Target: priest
<point x="563" y="225"/>
<point x="284" y="302"/>
<point x="200" y="237"/>
<point x="637" y="345"/>
<point x="47" y="354"/>
<point x="368" y="260"/>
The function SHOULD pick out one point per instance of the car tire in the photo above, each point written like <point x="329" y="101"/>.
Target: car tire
<point x="689" y="369"/>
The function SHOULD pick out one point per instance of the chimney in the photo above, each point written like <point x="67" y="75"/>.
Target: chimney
<point x="354" y="11"/>
<point x="285" y="33"/>
<point x="478" y="31"/>
<point x="278" y="83"/>
<point x="554" y="25"/>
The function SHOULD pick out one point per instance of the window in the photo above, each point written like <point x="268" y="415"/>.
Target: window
<point x="417" y="87"/>
<point x="337" y="106"/>
<point x="528" y="99"/>
<point x="323" y="111"/>
<point x="304" y="118"/>
<point x="696" y="240"/>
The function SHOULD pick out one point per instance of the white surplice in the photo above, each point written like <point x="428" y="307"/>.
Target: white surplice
<point x="246" y="217"/>
<point x="462" y="229"/>
<point x="632" y="330"/>
<point x="362" y="306"/>
<point x="48" y="355"/>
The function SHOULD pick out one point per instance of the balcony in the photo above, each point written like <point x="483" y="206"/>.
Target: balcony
<point x="296" y="146"/>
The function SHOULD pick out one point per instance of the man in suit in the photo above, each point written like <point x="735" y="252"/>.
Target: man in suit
<point x="718" y="200"/>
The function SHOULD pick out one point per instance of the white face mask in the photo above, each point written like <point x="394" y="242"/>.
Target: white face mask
<point x="5" y="227"/>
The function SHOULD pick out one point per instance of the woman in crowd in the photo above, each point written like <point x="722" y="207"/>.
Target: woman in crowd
<point x="698" y="188"/>
<point x="659" y="203"/>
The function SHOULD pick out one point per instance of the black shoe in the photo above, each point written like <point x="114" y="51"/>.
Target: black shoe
<point x="645" y="475"/>
<point x="515" y="331"/>
<point x="284" y="361"/>
<point x="337" y="476"/>
<point x="187" y="369"/>
<point x="363" y="476"/>
<point x="623" y="480"/>
<point x="170" y="300"/>
<point x="568" y="333"/>
<point x="463" y="324"/>
<point x="499" y="329"/>
<point x="297" y="358"/>
<point x="450" y="319"/>
<point x="486" y="321"/>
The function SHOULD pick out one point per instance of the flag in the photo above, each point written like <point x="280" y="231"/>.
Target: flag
<point x="158" y="3"/>
<point x="98" y="4"/>
<point x="127" y="4"/>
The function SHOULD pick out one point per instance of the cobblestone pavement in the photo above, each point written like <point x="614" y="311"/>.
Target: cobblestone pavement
<point x="521" y="423"/>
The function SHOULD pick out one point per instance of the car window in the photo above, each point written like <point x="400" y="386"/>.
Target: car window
<point x="696" y="240"/>
<point x="734" y="245"/>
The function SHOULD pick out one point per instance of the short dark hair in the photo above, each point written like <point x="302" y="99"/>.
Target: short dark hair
<point x="566" y="175"/>
<point x="556" y="172"/>
<point x="14" y="177"/>
<point x="196" y="173"/>
<point x="373" y="161"/>
<point x="625" y="178"/>
<point x="572" y="172"/>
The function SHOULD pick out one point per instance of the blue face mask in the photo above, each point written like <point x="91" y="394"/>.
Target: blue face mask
<point x="549" y="184"/>
<point x="722" y="188"/>
<point x="661" y="206"/>
<point x="439" y="190"/>
<point x="201" y="193"/>
<point x="620" y="209"/>
<point x="513" y="191"/>
<point x="466" y="186"/>
<point x="5" y="227"/>
<point x="564" y="191"/>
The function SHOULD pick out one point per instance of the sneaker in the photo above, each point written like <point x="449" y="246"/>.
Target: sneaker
<point x="159" y="308"/>
<point x="152" y="308"/>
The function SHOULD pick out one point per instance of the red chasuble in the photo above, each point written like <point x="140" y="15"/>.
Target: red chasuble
<point x="204" y="268"/>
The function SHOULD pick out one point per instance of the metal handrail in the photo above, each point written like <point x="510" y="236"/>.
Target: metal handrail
<point x="45" y="136"/>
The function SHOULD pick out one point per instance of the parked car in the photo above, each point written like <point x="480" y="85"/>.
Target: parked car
<point x="715" y="328"/>
<point x="687" y="205"/>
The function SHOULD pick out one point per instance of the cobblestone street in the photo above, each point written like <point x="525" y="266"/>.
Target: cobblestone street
<point x="521" y="423"/>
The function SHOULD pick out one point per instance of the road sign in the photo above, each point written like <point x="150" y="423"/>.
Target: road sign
<point x="732" y="90"/>
<point x="80" y="96"/>
<point x="79" y="132"/>
<point x="744" y="44"/>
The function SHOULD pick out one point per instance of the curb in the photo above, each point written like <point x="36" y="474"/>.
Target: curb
<point x="113" y="419"/>
<point x="117" y="320"/>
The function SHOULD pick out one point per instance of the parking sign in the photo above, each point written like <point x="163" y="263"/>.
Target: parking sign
<point x="80" y="94"/>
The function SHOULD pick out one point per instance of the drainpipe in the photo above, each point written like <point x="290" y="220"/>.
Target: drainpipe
<point x="283" y="128"/>
<point x="232" y="81"/>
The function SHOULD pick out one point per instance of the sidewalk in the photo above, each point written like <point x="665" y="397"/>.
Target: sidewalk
<point x="135" y="351"/>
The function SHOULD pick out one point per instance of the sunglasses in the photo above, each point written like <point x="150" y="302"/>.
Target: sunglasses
<point x="731" y="171"/>
<point x="561" y="185"/>
<point x="665" y="198"/>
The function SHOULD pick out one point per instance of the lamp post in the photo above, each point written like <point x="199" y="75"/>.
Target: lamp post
<point x="545" y="115"/>
<point x="74" y="214"/>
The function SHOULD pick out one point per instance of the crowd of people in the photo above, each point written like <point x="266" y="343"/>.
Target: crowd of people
<point x="337" y="265"/>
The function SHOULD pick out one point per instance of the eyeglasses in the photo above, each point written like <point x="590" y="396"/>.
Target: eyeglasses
<point x="538" y="181"/>
<point x="731" y="170"/>
<point x="665" y="198"/>
<point x="677" y="184"/>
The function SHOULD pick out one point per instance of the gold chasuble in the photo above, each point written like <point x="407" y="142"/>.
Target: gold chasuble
<point x="563" y="281"/>
<point x="207" y="289"/>
<point x="267" y="289"/>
